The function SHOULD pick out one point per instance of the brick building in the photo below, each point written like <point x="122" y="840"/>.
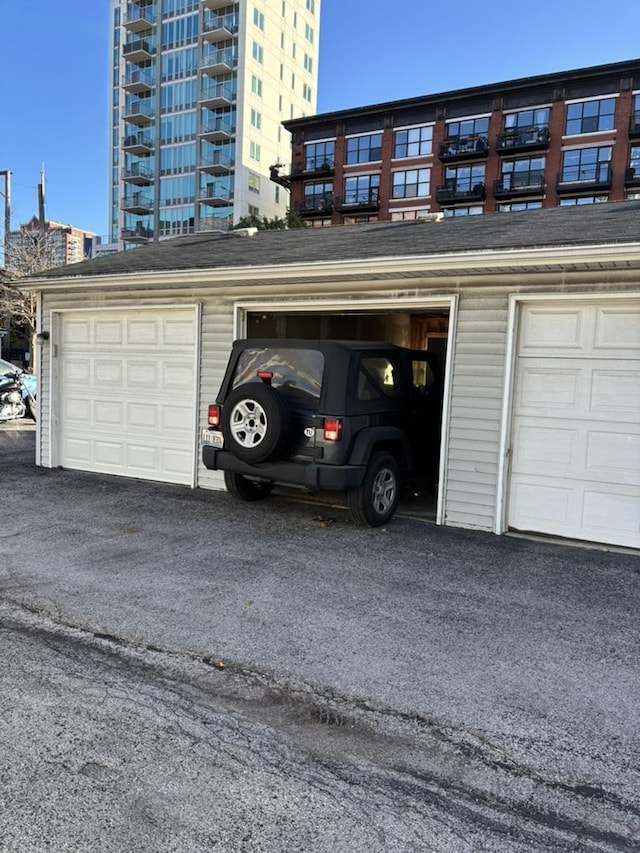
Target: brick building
<point x="559" y="139"/>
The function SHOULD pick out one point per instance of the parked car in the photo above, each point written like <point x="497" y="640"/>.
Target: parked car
<point x="353" y="416"/>
<point x="29" y="379"/>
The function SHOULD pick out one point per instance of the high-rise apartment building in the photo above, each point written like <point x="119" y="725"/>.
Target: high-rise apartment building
<point x="560" y="139"/>
<point x="200" y="90"/>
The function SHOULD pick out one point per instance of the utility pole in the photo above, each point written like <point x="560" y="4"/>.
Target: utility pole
<point x="7" y="214"/>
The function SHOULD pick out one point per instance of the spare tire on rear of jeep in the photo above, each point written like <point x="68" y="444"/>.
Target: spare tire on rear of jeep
<point x="255" y="422"/>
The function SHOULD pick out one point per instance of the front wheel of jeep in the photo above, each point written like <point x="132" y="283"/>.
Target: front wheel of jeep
<point x="374" y="502"/>
<point x="246" y="489"/>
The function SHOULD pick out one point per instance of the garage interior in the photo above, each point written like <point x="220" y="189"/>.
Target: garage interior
<point x="419" y="330"/>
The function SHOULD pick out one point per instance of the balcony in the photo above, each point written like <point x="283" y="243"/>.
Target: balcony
<point x="215" y="4"/>
<point x="519" y="184"/>
<point x="140" y="50"/>
<point x="216" y="95"/>
<point x="216" y="192"/>
<point x="138" y="233"/>
<point x="141" y="111"/>
<point x="523" y="139"/>
<point x="215" y="129"/>
<point x="217" y="162"/>
<point x="138" y="173"/>
<point x="451" y="194"/>
<point x="634" y="125"/>
<point x="137" y="203"/>
<point x="319" y="205"/>
<point x="220" y="61"/>
<point x="463" y="148"/>
<point x="138" y="143"/>
<point x="219" y="27"/>
<point x="359" y="201"/>
<point x="632" y="177"/>
<point x="584" y="179"/>
<point x="139" y="18"/>
<point x="138" y="80"/>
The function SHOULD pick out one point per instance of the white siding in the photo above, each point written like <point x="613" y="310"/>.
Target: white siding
<point x="476" y="410"/>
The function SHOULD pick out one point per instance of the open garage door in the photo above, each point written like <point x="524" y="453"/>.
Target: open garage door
<point x="576" y="427"/>
<point x="425" y="329"/>
<point x="126" y="392"/>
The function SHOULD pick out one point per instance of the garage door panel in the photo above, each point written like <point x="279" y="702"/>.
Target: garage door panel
<point x="544" y="385"/>
<point x="107" y="414"/>
<point x="550" y="445"/>
<point x="613" y="516"/>
<point x="108" y="372"/>
<point x="575" y="463"/>
<point x="76" y="331"/>
<point x="613" y="455"/>
<point x="543" y="328"/>
<point x="616" y="392"/>
<point x="617" y="329"/>
<point x="106" y="331"/>
<point x="541" y="503"/>
<point x="118" y="414"/>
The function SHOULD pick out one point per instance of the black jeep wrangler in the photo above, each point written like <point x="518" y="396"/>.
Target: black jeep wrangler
<point x="339" y="415"/>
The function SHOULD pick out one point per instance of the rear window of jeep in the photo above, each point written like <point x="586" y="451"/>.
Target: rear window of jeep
<point x="296" y="373"/>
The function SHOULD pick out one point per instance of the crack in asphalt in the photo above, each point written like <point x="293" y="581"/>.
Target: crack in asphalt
<point x="357" y="741"/>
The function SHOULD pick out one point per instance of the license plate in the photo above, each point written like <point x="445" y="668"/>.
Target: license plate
<point x="214" y="437"/>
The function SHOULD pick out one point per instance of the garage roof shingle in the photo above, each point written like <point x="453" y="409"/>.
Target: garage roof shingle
<point x="582" y="225"/>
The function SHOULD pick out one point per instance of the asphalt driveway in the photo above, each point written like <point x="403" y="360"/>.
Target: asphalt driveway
<point x="526" y="648"/>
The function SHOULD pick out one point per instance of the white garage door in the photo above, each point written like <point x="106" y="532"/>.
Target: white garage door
<point x="576" y="430"/>
<point x="127" y="392"/>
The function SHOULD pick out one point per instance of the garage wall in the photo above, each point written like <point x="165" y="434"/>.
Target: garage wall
<point x="217" y="336"/>
<point x="479" y="354"/>
<point x="476" y="409"/>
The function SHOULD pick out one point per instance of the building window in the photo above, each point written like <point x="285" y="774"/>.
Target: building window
<point x="308" y="33"/>
<point x="358" y="220"/>
<point x="634" y="161"/>
<point x="311" y="6"/>
<point x="472" y="210"/>
<point x="468" y="127"/>
<point x="414" y="183"/>
<point x="256" y="118"/>
<point x="258" y="18"/>
<point x="293" y="80"/>
<point x="413" y="141"/>
<point x="590" y="116"/>
<point x="514" y="206"/>
<point x="257" y="52"/>
<point x="319" y="155"/>
<point x="252" y="210"/>
<point x="308" y="63"/>
<point x="404" y="215"/>
<point x="254" y="183"/>
<point x="256" y="85"/>
<point x="464" y="179"/>
<point x="361" y="189"/>
<point x="527" y="173"/>
<point x="527" y="118"/>
<point x="589" y="165"/>
<point x="583" y="199"/>
<point x="364" y="149"/>
<point x="307" y="92"/>
<point x="254" y="151"/>
<point x="318" y="196"/>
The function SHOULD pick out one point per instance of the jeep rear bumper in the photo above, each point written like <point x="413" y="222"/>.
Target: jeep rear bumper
<point x="311" y="475"/>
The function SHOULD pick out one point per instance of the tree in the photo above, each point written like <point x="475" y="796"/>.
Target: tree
<point x="290" y="220"/>
<point x="28" y="252"/>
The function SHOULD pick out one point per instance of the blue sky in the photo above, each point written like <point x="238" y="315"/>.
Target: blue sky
<point x="54" y="73"/>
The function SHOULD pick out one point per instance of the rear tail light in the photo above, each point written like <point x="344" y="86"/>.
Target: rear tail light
<point x="265" y="375"/>
<point x="332" y="428"/>
<point x="213" y="415"/>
